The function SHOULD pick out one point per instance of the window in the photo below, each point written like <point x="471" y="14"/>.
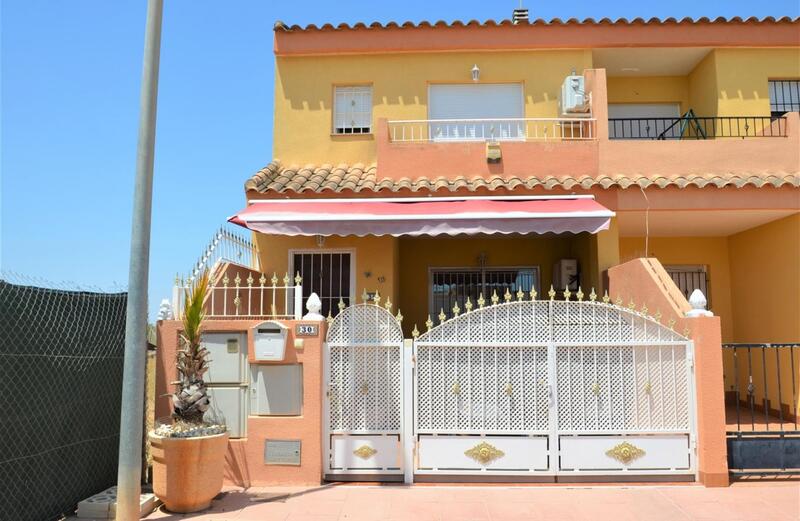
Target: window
<point x="352" y="110"/>
<point x="784" y="96"/>
<point x="449" y="286"/>
<point x="463" y="104"/>
<point x="328" y="275"/>
<point x="690" y="278"/>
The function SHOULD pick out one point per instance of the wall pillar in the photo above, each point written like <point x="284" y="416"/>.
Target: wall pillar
<point x="605" y="254"/>
<point x="712" y="450"/>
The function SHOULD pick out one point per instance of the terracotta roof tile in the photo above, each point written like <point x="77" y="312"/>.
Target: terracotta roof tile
<point x="323" y="179"/>
<point x="280" y="26"/>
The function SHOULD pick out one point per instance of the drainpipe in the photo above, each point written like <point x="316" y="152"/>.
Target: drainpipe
<point x="130" y="437"/>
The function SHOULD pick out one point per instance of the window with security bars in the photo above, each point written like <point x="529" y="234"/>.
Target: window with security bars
<point x="784" y="96"/>
<point x="690" y="278"/>
<point x="352" y="110"/>
<point x="449" y="286"/>
<point x="326" y="274"/>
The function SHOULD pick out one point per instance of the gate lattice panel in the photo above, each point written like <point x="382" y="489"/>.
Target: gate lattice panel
<point x="364" y="379"/>
<point x="555" y="387"/>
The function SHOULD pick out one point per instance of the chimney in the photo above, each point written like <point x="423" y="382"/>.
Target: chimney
<point x="520" y="15"/>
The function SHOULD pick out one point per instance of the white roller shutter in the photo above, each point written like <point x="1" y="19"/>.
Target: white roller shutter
<point x="462" y="104"/>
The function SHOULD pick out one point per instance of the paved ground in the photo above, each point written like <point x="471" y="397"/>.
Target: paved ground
<point x="740" y="502"/>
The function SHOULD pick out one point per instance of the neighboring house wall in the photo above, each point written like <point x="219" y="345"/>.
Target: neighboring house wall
<point x="709" y="251"/>
<point x="304" y="93"/>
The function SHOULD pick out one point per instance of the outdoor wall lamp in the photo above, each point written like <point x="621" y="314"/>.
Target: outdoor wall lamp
<point x="476" y="73"/>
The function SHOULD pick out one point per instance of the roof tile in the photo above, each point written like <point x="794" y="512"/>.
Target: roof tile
<point x="275" y="178"/>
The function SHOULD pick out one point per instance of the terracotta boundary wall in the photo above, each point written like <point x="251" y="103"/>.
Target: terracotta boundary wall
<point x="645" y="282"/>
<point x="244" y="461"/>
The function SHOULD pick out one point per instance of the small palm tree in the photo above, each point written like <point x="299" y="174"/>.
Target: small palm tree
<point x="191" y="401"/>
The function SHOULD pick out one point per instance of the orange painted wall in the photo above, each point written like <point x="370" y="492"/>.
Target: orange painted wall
<point x="244" y="461"/>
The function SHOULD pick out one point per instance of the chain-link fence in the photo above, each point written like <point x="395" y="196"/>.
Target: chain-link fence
<point x="61" y="355"/>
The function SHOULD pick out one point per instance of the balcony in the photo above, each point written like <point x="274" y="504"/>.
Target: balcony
<point x="690" y="126"/>
<point x="483" y="130"/>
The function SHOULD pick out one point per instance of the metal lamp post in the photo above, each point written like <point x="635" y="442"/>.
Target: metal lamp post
<point x="130" y="440"/>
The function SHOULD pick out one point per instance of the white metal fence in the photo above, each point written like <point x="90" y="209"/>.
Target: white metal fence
<point x="509" y="129"/>
<point x="253" y="297"/>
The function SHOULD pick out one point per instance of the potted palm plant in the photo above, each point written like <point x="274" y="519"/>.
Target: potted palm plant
<point x="189" y="450"/>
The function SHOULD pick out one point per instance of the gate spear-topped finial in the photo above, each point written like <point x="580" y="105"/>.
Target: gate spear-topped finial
<point x="551" y="293"/>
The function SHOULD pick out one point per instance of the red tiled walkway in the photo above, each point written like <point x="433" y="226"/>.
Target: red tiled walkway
<point x="740" y="502"/>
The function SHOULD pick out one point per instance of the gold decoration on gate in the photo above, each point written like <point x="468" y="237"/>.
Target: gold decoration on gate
<point x="592" y="296"/>
<point x="415" y="332"/>
<point x="495" y="298"/>
<point x="456" y="309"/>
<point x="507" y="296"/>
<point x="567" y="293"/>
<point x="625" y="452"/>
<point x="298" y="279"/>
<point x="388" y="304"/>
<point x="342" y="305"/>
<point x="520" y="295"/>
<point x="428" y="323"/>
<point x="364" y="388"/>
<point x="551" y="293"/>
<point x="509" y="389"/>
<point x="365" y="452"/>
<point x="237" y="281"/>
<point x="481" y="300"/>
<point x="648" y="388"/>
<point x="377" y="298"/>
<point x="596" y="389"/>
<point x="456" y="388"/>
<point x="468" y="305"/>
<point x="484" y="453"/>
<point x="606" y="298"/>
<point x="399" y="316"/>
<point x="579" y="294"/>
<point x="274" y="279"/>
<point x="442" y="316"/>
<point x="286" y="279"/>
<point x="329" y="319"/>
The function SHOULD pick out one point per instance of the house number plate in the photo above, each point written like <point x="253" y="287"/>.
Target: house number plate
<point x="282" y="452"/>
<point x="306" y="330"/>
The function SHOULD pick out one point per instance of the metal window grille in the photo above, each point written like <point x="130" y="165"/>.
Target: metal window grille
<point x="451" y="286"/>
<point x="352" y="111"/>
<point x="690" y="278"/>
<point x="326" y="274"/>
<point x="784" y="96"/>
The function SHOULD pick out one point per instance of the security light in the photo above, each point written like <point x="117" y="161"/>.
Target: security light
<point x="476" y="73"/>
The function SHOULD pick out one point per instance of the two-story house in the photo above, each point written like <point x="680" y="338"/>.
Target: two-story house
<point x="492" y="181"/>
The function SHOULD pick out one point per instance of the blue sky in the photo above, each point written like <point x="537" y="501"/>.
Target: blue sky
<point x="68" y="117"/>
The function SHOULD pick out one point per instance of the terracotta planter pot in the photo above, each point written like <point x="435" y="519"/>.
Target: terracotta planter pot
<point x="187" y="472"/>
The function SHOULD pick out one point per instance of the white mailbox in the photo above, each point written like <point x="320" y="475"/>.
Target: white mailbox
<point x="269" y="339"/>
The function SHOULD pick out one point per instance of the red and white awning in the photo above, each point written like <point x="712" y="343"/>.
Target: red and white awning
<point x="425" y="216"/>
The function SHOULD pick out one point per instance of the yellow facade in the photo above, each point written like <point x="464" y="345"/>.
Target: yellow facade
<point x="743" y="75"/>
<point x="650" y="89"/>
<point x="304" y="93"/>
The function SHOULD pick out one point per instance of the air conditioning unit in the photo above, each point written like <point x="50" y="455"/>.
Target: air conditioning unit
<point x="566" y="274"/>
<point x="573" y="96"/>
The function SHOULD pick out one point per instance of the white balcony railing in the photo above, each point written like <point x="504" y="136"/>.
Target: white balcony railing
<point x="510" y="129"/>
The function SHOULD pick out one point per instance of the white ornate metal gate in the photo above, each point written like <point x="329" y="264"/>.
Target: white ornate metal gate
<point x="545" y="388"/>
<point x="363" y="409"/>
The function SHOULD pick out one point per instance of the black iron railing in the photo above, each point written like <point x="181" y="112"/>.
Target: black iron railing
<point x="762" y="386"/>
<point x="694" y="127"/>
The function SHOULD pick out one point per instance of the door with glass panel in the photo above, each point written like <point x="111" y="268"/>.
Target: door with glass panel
<point x="328" y="274"/>
<point x="448" y="286"/>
